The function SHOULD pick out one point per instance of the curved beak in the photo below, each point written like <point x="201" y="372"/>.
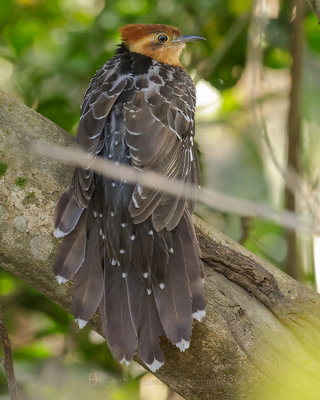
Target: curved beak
<point x="187" y="38"/>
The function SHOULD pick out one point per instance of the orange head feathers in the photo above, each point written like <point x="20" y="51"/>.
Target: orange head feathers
<point x="164" y="43"/>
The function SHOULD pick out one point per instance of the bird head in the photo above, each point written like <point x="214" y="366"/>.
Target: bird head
<point x="161" y="42"/>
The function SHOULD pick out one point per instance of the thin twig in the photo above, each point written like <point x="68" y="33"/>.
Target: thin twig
<point x="246" y="225"/>
<point x="294" y="130"/>
<point x="153" y="180"/>
<point x="7" y="359"/>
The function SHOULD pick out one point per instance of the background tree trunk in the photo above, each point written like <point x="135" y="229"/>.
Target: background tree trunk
<point x="261" y="337"/>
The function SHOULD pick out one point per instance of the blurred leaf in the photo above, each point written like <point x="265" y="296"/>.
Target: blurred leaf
<point x="32" y="351"/>
<point x="277" y="58"/>
<point x="7" y="283"/>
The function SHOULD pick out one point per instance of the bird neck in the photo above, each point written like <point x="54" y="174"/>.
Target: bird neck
<point x="169" y="55"/>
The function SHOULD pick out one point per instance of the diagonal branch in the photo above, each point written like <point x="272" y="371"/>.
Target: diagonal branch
<point x="260" y="339"/>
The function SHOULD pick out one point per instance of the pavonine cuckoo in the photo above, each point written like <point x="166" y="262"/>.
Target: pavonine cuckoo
<point x="131" y="250"/>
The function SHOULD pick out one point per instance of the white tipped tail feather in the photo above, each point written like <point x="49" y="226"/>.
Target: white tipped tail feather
<point x="198" y="315"/>
<point x="155" y="365"/>
<point x="125" y="361"/>
<point x="81" y="322"/>
<point x="61" y="279"/>
<point x="58" y="234"/>
<point x="183" y="345"/>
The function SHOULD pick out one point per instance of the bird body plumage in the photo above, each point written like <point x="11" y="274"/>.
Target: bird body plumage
<point x="131" y="250"/>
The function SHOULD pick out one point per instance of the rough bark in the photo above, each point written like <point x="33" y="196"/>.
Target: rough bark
<point x="260" y="339"/>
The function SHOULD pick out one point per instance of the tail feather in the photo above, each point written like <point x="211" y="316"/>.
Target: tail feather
<point x="145" y="321"/>
<point x="144" y="251"/>
<point x="194" y="266"/>
<point x="145" y="283"/>
<point x="174" y="299"/>
<point x="119" y="329"/>
<point x="161" y="246"/>
<point x="71" y="254"/>
<point x="67" y="214"/>
<point x="88" y="282"/>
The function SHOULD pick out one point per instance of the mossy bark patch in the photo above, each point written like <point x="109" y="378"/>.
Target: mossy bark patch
<point x="3" y="169"/>
<point x="21" y="182"/>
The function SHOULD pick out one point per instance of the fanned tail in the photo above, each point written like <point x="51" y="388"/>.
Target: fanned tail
<point x="145" y="283"/>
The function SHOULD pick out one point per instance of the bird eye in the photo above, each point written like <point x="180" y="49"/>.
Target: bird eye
<point x="162" y="38"/>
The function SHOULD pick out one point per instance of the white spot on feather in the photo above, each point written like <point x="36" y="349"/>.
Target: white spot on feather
<point x="183" y="345"/>
<point x="145" y="275"/>
<point x="135" y="201"/>
<point x="155" y="365"/>
<point x="191" y="155"/>
<point x="58" y="233"/>
<point x="198" y="315"/>
<point x="171" y="250"/>
<point x="132" y="237"/>
<point x="122" y="251"/>
<point x="150" y="232"/>
<point x="114" y="262"/>
<point x="124" y="360"/>
<point x="81" y="322"/>
<point x="95" y="214"/>
<point x="162" y="285"/>
<point x="124" y="275"/>
<point x="123" y="225"/>
<point x="60" y="279"/>
<point x="149" y="291"/>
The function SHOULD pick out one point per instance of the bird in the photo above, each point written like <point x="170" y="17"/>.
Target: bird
<point x="132" y="251"/>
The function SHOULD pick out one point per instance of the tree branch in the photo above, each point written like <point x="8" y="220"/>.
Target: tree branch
<point x="294" y="130"/>
<point x="7" y="359"/>
<point x="261" y="334"/>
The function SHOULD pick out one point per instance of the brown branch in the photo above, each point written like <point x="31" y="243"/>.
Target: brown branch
<point x="294" y="130"/>
<point x="7" y="359"/>
<point x="262" y="330"/>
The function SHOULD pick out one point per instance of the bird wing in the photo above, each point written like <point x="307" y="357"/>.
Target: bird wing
<point x="104" y="90"/>
<point x="160" y="130"/>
